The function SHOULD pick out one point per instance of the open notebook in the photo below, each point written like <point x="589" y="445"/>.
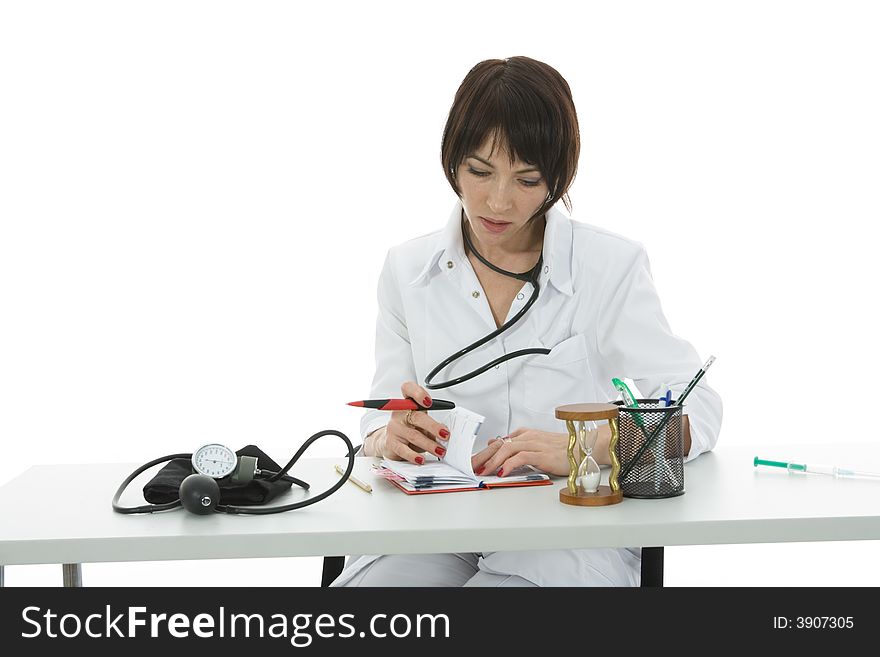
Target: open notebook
<point x="454" y="471"/>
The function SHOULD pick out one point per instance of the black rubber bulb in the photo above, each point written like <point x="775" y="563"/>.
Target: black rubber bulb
<point x="199" y="494"/>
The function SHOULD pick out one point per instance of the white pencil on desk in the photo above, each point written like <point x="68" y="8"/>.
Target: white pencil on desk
<point x="357" y="482"/>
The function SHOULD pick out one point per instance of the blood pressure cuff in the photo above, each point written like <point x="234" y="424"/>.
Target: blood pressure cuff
<point x="165" y="486"/>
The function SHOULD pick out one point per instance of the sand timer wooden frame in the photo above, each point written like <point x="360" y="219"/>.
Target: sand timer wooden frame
<point x="574" y="492"/>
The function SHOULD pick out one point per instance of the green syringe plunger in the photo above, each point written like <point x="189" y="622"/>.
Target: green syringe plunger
<point x="833" y="470"/>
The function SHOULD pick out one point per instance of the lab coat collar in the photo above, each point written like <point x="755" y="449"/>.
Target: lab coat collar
<point x="557" y="250"/>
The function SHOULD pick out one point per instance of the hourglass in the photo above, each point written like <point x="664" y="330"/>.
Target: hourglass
<point x="583" y="423"/>
<point x="588" y="474"/>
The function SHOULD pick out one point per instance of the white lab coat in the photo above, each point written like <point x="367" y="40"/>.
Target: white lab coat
<point x="597" y="309"/>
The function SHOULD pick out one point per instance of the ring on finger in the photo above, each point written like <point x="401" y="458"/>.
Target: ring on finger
<point x="507" y="439"/>
<point x="408" y="419"/>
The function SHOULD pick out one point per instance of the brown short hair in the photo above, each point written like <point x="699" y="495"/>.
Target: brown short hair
<point x="525" y="104"/>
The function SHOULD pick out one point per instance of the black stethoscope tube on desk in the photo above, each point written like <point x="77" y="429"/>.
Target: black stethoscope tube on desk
<point x="530" y="276"/>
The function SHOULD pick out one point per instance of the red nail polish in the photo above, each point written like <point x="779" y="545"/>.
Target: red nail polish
<point x="501" y="473"/>
<point x="444" y="433"/>
<point x="427" y="401"/>
<point x="479" y="470"/>
<point x="439" y="451"/>
<point x="420" y="460"/>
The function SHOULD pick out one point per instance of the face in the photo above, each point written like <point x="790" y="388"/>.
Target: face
<point x="499" y="197"/>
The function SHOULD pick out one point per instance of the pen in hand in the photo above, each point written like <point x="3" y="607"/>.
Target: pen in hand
<point x="403" y="404"/>
<point x="357" y="482"/>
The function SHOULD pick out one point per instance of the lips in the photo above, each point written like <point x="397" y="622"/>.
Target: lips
<point x="494" y="227"/>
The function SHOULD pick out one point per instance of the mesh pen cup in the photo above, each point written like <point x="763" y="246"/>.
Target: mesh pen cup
<point x="651" y="450"/>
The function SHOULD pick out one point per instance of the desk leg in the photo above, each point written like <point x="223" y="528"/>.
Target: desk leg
<point x="2" y="583"/>
<point x="72" y="573"/>
<point x="652" y="566"/>
<point x="332" y="567"/>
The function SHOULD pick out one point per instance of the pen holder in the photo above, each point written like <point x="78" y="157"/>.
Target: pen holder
<point x="659" y="470"/>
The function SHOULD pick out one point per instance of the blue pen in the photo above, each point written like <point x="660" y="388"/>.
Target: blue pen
<point x="663" y="402"/>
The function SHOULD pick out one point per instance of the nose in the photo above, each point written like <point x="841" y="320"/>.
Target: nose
<point x="500" y="197"/>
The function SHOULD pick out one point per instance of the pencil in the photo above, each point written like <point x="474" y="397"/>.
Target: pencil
<point x="357" y="482"/>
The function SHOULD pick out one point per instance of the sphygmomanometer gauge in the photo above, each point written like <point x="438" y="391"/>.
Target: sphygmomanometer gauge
<point x="214" y="460"/>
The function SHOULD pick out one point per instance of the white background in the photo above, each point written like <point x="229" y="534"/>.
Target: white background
<point x="196" y="199"/>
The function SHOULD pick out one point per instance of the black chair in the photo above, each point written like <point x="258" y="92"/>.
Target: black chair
<point x="652" y="568"/>
<point x="332" y="567"/>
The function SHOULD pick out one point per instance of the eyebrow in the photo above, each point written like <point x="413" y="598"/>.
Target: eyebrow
<point x="489" y="164"/>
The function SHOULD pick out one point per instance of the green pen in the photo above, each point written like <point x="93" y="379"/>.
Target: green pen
<point x="628" y="399"/>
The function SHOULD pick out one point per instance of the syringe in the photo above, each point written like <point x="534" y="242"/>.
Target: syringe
<point x="833" y="470"/>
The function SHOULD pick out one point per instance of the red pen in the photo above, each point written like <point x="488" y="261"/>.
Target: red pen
<point x="403" y="405"/>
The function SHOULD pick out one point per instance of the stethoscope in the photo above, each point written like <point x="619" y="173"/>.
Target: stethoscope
<point x="530" y="276"/>
<point x="214" y="464"/>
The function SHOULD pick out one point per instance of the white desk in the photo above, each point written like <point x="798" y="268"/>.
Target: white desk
<point x="62" y="514"/>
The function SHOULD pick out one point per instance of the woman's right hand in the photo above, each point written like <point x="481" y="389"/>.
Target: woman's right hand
<point x="407" y="442"/>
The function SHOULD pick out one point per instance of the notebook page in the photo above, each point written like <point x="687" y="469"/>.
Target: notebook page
<point x="436" y="471"/>
<point x="455" y="466"/>
<point x="462" y="434"/>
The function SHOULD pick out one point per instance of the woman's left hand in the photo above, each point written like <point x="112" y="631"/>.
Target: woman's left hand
<point x="545" y="450"/>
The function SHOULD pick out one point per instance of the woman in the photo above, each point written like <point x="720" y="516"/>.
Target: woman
<point x="510" y="151"/>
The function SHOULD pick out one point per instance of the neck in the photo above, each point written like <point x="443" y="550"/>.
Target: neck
<point x="529" y="267"/>
<point x="513" y="252"/>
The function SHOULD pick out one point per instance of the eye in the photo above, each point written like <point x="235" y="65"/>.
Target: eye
<point x="531" y="183"/>
<point x="480" y="174"/>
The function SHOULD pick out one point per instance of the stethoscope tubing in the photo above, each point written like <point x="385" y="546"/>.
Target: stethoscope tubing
<point x="530" y="276"/>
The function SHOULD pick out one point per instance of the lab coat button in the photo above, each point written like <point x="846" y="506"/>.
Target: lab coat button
<point x="476" y="294"/>
<point x="520" y="296"/>
<point x="546" y="269"/>
<point x="449" y="265"/>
